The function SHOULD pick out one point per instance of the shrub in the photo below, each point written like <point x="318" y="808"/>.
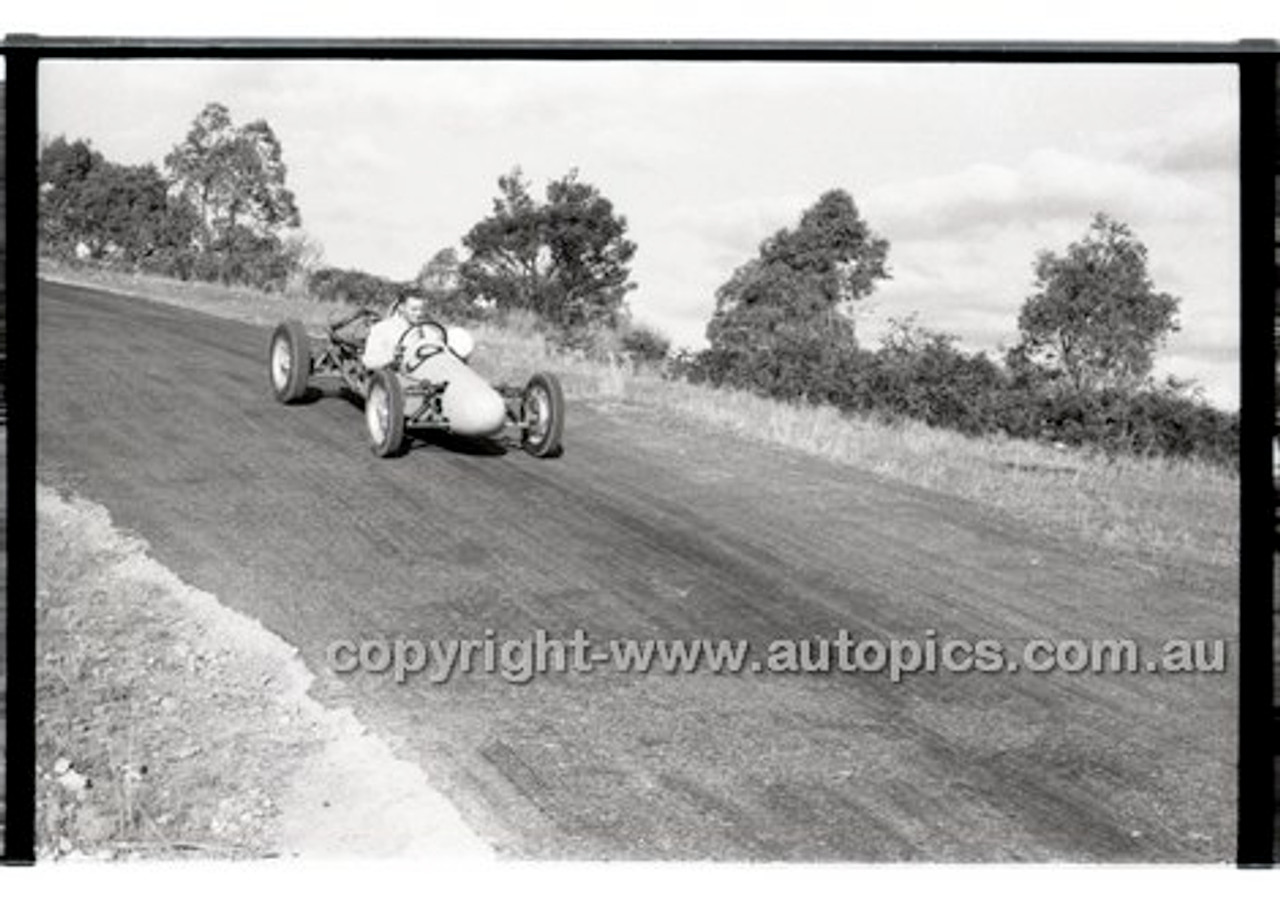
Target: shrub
<point x="354" y="287"/>
<point x="645" y="344"/>
<point x="920" y="375"/>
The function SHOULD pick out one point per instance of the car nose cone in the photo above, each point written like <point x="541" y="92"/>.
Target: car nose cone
<point x="469" y="403"/>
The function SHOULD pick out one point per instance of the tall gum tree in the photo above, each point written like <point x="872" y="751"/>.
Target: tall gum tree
<point x="566" y="258"/>
<point x="234" y="176"/>
<point x="1096" y="319"/>
<point x="806" y="280"/>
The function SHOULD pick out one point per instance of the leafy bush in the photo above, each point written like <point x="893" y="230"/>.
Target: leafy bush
<point x="355" y="287"/>
<point x="645" y="344"/>
<point x="920" y="375"/>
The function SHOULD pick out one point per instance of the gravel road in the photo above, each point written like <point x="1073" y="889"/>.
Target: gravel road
<point x="641" y="531"/>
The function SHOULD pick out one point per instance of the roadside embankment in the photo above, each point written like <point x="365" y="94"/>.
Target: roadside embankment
<point x="169" y="726"/>
<point x="1177" y="511"/>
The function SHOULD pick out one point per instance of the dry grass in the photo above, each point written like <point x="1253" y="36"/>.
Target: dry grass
<point x="1174" y="509"/>
<point x="510" y="353"/>
<point x="240" y="303"/>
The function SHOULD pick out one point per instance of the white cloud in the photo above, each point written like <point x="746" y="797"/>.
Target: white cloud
<point x="968" y="170"/>
<point x="1048" y="185"/>
<point x="1199" y="138"/>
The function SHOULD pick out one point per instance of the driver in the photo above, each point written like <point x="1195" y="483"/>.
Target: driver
<point x="380" y="347"/>
<point x="408" y="341"/>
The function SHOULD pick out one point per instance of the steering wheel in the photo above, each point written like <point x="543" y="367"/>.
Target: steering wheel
<point x="420" y="356"/>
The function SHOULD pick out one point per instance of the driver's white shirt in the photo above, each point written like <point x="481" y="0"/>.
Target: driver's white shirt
<point x="380" y="346"/>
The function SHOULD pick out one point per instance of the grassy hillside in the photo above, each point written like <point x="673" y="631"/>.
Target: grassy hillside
<point x="1171" y="509"/>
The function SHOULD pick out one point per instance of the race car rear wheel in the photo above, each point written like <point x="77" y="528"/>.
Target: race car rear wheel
<point x="384" y="413"/>
<point x="542" y="415"/>
<point x="290" y="355"/>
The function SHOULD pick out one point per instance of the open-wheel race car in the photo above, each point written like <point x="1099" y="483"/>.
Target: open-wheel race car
<point x="426" y="385"/>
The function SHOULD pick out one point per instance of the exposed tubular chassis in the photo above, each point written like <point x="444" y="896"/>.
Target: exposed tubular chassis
<point x="535" y="410"/>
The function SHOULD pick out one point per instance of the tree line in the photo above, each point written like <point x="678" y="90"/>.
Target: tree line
<point x="784" y="323"/>
<point x="219" y="211"/>
<point x="1080" y="373"/>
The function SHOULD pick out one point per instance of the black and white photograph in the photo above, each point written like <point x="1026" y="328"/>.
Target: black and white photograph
<point x="604" y="457"/>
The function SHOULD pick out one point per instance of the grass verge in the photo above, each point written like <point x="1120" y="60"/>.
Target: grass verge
<point x="1171" y="509"/>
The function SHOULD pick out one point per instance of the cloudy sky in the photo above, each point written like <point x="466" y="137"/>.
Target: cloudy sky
<point x="967" y="169"/>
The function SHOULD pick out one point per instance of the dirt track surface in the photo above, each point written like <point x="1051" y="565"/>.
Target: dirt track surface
<point x="164" y="417"/>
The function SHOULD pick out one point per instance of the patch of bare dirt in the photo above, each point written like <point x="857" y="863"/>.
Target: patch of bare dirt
<point x="168" y="726"/>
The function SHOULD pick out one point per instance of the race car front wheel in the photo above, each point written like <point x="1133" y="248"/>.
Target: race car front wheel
<point x="384" y="413"/>
<point x="542" y="416"/>
<point x="290" y="361"/>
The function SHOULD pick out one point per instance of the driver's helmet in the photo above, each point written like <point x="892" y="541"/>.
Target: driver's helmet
<point x="414" y="309"/>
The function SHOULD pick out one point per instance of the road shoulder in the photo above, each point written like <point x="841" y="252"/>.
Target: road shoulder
<point x="169" y="726"/>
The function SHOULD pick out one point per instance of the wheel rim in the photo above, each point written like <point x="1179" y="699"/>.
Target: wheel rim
<point x="376" y="414"/>
<point x="281" y="364"/>
<point x="538" y="407"/>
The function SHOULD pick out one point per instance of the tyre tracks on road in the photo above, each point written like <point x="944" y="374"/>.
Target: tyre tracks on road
<point x="165" y="417"/>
